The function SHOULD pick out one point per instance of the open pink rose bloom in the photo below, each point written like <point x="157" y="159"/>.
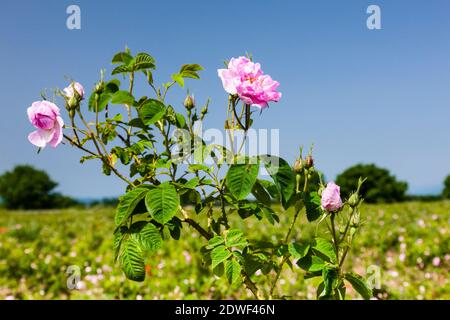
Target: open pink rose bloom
<point x="246" y="79"/>
<point x="45" y="116"/>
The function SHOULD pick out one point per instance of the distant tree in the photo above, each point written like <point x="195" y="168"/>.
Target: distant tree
<point x="28" y="188"/>
<point x="446" y="191"/>
<point x="380" y="185"/>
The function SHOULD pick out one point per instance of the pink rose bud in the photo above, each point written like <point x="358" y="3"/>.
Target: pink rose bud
<point x="69" y="92"/>
<point x="45" y="116"/>
<point x="331" y="197"/>
<point x="246" y="79"/>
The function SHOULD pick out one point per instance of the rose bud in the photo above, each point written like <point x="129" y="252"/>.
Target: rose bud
<point x="298" y="166"/>
<point x="74" y="90"/>
<point x="353" y="201"/>
<point x="309" y="162"/>
<point x="189" y="102"/>
<point x="331" y="198"/>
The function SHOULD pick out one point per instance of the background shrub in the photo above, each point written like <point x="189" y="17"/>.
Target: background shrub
<point x="379" y="187"/>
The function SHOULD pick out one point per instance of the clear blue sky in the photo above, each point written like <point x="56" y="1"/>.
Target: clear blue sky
<point x="379" y="96"/>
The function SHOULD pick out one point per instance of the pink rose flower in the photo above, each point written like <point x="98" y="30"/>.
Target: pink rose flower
<point x="45" y="116"/>
<point x="331" y="197"/>
<point x="246" y="79"/>
<point x="68" y="91"/>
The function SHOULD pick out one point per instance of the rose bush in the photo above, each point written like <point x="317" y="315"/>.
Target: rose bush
<point x="170" y="184"/>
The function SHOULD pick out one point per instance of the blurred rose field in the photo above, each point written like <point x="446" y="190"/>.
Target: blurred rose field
<point x="406" y="243"/>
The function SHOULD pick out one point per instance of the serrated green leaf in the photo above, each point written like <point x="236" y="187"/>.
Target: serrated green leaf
<point x="118" y="236"/>
<point x="122" y="57"/>
<point x="261" y="194"/>
<point x="162" y="202"/>
<point x="270" y="215"/>
<point x="150" y="238"/>
<point x="215" y="241"/>
<point x="178" y="78"/>
<point x="359" y="284"/>
<point x="283" y="176"/>
<point x="180" y="121"/>
<point x="312" y="205"/>
<point x="235" y="238"/>
<point x="298" y="251"/>
<point x="311" y="263"/>
<point x="190" y="71"/>
<point x="121" y="69"/>
<point x="151" y="112"/>
<point x="122" y="97"/>
<point x="127" y="203"/>
<point x="241" y="178"/>
<point x="232" y="271"/>
<point x="326" y="248"/>
<point x="218" y="255"/>
<point x="330" y="276"/>
<point x="132" y="260"/>
<point x="143" y="61"/>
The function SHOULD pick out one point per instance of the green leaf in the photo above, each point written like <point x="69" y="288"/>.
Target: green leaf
<point x="198" y="166"/>
<point x="103" y="100"/>
<point x="251" y="264"/>
<point x="121" y="69"/>
<point x="150" y="238"/>
<point x="330" y="276"/>
<point x="235" y="238"/>
<point x="122" y="97"/>
<point x="298" y="251"/>
<point x="112" y="86"/>
<point x="311" y="263"/>
<point x="261" y="194"/>
<point x="215" y="241"/>
<point x="178" y="78"/>
<point x="127" y="203"/>
<point x="175" y="227"/>
<point x="118" y="237"/>
<point x="122" y="57"/>
<point x="132" y="260"/>
<point x="151" y="112"/>
<point x="241" y="178"/>
<point x="218" y="255"/>
<point x="162" y="202"/>
<point x="143" y="61"/>
<point x="233" y="271"/>
<point x="190" y="71"/>
<point x="359" y="284"/>
<point x="312" y="205"/>
<point x="326" y="248"/>
<point x="181" y="121"/>
<point x="283" y="176"/>
<point x="270" y="215"/>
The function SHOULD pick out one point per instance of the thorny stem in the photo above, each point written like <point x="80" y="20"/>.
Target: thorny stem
<point x="129" y="107"/>
<point x="333" y="231"/>
<point x="92" y="134"/>
<point x="102" y="158"/>
<point x="286" y="239"/>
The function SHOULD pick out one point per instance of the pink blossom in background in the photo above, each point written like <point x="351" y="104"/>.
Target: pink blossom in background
<point x="246" y="79"/>
<point x="331" y="197"/>
<point x="69" y="92"/>
<point x="45" y="116"/>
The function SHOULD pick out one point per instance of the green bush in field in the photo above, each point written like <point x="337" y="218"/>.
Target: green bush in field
<point x="446" y="192"/>
<point x="28" y="188"/>
<point x="379" y="187"/>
